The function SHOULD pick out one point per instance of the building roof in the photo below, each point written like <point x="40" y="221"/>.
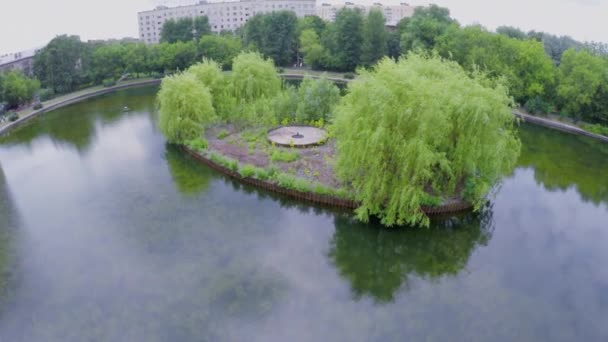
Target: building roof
<point x="17" y="56"/>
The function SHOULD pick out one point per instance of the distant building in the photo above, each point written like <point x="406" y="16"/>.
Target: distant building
<point x="114" y="40"/>
<point x="392" y="13"/>
<point x="22" y="61"/>
<point x="228" y="15"/>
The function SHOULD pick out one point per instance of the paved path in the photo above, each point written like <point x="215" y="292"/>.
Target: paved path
<point x="558" y="125"/>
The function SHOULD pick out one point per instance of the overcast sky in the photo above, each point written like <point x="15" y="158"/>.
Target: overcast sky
<point x="26" y="24"/>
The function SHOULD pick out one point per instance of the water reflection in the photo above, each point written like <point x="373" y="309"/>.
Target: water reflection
<point x="75" y="126"/>
<point x="8" y="232"/>
<point x="559" y="163"/>
<point x="379" y="262"/>
<point x="135" y="241"/>
<point x="189" y="177"/>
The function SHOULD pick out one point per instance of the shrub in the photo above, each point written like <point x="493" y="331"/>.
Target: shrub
<point x="38" y="105"/>
<point x="537" y="105"/>
<point x="283" y="156"/>
<point x="109" y="82"/>
<point x="404" y="131"/>
<point x="157" y="75"/>
<point x="185" y="108"/>
<point x="285" y="180"/>
<point x="46" y="94"/>
<point x="349" y="75"/>
<point x="13" y="117"/>
<point x="233" y="165"/>
<point x="262" y="174"/>
<point x="198" y="144"/>
<point x="247" y="171"/>
<point x="597" y="129"/>
<point x="316" y="100"/>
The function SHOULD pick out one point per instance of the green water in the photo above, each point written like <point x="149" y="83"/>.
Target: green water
<point x="108" y="234"/>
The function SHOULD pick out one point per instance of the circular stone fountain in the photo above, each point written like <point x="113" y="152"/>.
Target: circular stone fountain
<point x="297" y="136"/>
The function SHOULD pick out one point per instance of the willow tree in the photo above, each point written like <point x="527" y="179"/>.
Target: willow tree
<point x="210" y="74"/>
<point x="185" y="106"/>
<point x="254" y="77"/>
<point x="317" y="98"/>
<point x="422" y="131"/>
<point x="254" y="84"/>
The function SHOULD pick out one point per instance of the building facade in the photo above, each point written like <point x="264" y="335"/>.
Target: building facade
<point x="392" y="13"/>
<point x="228" y="15"/>
<point x="21" y="61"/>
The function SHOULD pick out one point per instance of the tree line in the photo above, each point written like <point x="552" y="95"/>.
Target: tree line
<point x="544" y="73"/>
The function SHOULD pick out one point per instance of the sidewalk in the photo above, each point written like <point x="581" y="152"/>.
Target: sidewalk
<point x="558" y="125"/>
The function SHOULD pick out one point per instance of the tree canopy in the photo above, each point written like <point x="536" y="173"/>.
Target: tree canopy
<point x="418" y="131"/>
<point x="424" y="27"/>
<point x="274" y="35"/>
<point x="583" y="86"/>
<point x="374" y="38"/>
<point x="184" y="29"/>
<point x="16" y="89"/>
<point x="528" y="70"/>
<point x="62" y="63"/>
<point x="185" y="107"/>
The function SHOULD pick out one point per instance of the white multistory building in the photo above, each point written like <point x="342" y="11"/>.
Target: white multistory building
<point x="228" y="15"/>
<point x="392" y="13"/>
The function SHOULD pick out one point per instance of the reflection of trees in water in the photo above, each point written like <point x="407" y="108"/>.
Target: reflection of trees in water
<point x="378" y="261"/>
<point x="189" y="176"/>
<point x="562" y="160"/>
<point x="75" y="125"/>
<point x="8" y="226"/>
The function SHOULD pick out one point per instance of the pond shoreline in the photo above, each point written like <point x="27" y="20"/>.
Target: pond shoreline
<point x="287" y="75"/>
<point x="311" y="197"/>
<point x="70" y="99"/>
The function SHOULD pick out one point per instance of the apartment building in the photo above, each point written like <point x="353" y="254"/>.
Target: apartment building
<point x="228" y="15"/>
<point x="392" y="13"/>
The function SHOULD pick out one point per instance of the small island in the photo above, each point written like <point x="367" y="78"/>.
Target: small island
<point x="409" y="139"/>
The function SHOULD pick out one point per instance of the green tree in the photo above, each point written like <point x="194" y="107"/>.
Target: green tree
<point x="583" y="86"/>
<point x="274" y="35"/>
<point x="512" y="32"/>
<point x="108" y="61"/>
<point x="178" y="56"/>
<point x="419" y="131"/>
<point x="311" y="22"/>
<point x="210" y="74"/>
<point x="424" y="27"/>
<point x="138" y="58"/>
<point x="312" y="50"/>
<point x="316" y="100"/>
<point x="185" y="107"/>
<point x="16" y="89"/>
<point x="374" y="38"/>
<point x="184" y="29"/>
<point x="254" y="32"/>
<point x="348" y="39"/>
<point x="254" y="77"/>
<point x="221" y="49"/>
<point x="528" y="70"/>
<point x="62" y="63"/>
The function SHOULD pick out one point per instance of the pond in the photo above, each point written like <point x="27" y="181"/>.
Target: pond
<point x="109" y="234"/>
